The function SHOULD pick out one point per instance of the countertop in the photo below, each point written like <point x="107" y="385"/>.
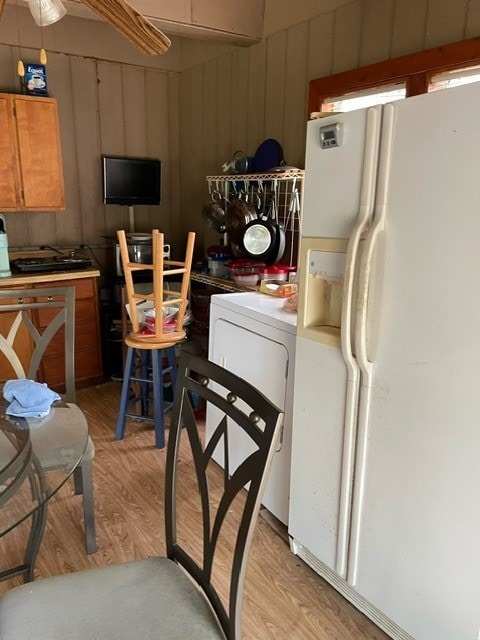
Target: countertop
<point x="25" y="279"/>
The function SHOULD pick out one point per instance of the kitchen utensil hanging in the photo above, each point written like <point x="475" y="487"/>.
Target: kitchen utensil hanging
<point x="263" y="238"/>
<point x="238" y="214"/>
<point x="214" y="213"/>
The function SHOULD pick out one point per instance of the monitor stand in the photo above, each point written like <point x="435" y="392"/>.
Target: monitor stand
<point x="131" y="219"/>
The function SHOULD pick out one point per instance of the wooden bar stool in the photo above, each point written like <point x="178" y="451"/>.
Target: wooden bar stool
<point x="150" y="355"/>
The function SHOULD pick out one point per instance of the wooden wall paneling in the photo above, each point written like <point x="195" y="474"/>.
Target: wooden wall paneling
<point x="225" y="80"/>
<point x="210" y="144"/>
<point x="445" y="22"/>
<point x="87" y="134"/>
<point x="135" y="126"/>
<point x="256" y="95"/>
<point x="189" y="170"/>
<point x="185" y="131"/>
<point x="68" y="223"/>
<point x="320" y="46"/>
<point x="346" y="43"/>
<point x="296" y="95"/>
<point x="111" y="111"/>
<point x="158" y="146"/>
<point x="196" y="182"/>
<point x="173" y="181"/>
<point x="275" y="85"/>
<point x="240" y="91"/>
<point x="472" y="27"/>
<point x="377" y="31"/>
<point x="210" y="116"/>
<point x="409" y="25"/>
<point x="9" y="81"/>
<point x="134" y="110"/>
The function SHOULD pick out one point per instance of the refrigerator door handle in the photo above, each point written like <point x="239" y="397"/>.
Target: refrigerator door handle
<point x="367" y="195"/>
<point x="377" y="227"/>
<point x="366" y="366"/>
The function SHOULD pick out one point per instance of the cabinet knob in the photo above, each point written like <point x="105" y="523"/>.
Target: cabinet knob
<point x="20" y="300"/>
<point x="50" y="299"/>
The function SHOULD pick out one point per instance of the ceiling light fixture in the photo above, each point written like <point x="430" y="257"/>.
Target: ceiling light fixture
<point x="46" y="12"/>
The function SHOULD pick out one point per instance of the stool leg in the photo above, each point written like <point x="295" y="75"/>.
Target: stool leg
<point x="120" y="429"/>
<point x="157" y="380"/>
<point x="172" y="361"/>
<point x="144" y="386"/>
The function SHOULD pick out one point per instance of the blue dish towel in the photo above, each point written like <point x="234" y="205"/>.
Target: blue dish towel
<point x="28" y="399"/>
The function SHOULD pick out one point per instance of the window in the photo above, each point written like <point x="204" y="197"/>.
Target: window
<point x="366" y="98"/>
<point x="438" y="68"/>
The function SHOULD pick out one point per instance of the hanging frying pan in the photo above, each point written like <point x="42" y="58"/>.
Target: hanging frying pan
<point x="214" y="214"/>
<point x="239" y="213"/>
<point x="264" y="239"/>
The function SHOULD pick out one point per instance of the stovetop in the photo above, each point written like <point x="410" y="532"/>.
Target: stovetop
<point x="52" y="263"/>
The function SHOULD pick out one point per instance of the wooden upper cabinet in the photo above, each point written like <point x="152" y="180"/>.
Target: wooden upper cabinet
<point x="9" y="194"/>
<point x="30" y="136"/>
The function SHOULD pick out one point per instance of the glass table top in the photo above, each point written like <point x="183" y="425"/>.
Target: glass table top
<point x="37" y="455"/>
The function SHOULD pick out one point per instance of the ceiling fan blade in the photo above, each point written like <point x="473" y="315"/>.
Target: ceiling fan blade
<point x="2" y="6"/>
<point x="131" y="24"/>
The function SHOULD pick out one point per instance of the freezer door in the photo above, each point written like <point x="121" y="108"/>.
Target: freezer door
<point x="333" y="175"/>
<point x="416" y="556"/>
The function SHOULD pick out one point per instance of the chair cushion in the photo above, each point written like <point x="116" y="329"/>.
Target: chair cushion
<point x="149" y="599"/>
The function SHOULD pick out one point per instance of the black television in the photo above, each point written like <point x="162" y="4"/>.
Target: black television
<point x="131" y="181"/>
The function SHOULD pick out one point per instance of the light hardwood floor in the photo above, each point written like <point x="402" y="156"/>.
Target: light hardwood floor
<point x="284" y="599"/>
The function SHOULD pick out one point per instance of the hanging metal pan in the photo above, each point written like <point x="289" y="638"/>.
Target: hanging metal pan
<point x="214" y="213"/>
<point x="239" y="213"/>
<point x="260" y="239"/>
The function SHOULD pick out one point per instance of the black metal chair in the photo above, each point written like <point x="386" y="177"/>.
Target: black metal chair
<point x="24" y="346"/>
<point x="196" y="591"/>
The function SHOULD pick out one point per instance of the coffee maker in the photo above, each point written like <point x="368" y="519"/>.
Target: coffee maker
<point x="4" y="262"/>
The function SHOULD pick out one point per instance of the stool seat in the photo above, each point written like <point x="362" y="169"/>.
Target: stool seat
<point x="145" y="341"/>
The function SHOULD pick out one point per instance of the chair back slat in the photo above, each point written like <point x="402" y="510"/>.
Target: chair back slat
<point x="238" y="405"/>
<point x="25" y="304"/>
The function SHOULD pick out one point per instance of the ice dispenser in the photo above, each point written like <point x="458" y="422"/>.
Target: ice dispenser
<point x="320" y="305"/>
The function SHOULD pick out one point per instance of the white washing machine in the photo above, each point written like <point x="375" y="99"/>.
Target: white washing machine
<point x="251" y="335"/>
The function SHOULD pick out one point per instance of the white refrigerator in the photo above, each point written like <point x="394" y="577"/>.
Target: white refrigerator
<point x="385" y="481"/>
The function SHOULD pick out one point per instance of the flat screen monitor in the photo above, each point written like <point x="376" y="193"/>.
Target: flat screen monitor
<point x="131" y="181"/>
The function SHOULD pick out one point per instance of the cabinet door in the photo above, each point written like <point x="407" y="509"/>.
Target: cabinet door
<point x="39" y="152"/>
<point x="88" y="357"/>
<point x="9" y="190"/>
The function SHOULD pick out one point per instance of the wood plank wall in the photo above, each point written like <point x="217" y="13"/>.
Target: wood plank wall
<point x="236" y="101"/>
<point x="104" y="107"/>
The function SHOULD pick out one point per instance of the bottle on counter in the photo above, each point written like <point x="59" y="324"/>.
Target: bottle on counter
<point x="4" y="262"/>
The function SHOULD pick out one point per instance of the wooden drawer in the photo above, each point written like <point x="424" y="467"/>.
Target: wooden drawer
<point x="84" y="310"/>
<point x="85" y="338"/>
<point x="88" y="368"/>
<point x="84" y="287"/>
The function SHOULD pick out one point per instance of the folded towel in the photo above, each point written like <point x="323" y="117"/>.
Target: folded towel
<point x="28" y="398"/>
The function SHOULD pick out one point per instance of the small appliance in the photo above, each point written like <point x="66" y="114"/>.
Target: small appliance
<point x="4" y="262"/>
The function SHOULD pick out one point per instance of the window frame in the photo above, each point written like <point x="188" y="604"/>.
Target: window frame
<point x="415" y="70"/>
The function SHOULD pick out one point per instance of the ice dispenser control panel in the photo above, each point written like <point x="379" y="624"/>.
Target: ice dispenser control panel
<point x="328" y="264"/>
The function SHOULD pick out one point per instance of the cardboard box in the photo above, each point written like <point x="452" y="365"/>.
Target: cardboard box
<point x="278" y="288"/>
<point x="35" y="79"/>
